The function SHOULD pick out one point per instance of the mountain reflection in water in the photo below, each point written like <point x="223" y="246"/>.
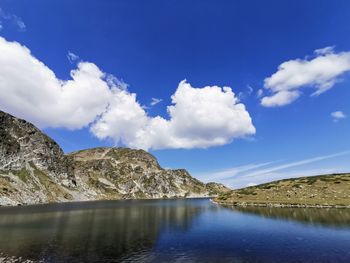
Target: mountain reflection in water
<point x="188" y="230"/>
<point x="108" y="230"/>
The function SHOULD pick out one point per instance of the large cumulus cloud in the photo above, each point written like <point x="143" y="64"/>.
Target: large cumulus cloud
<point x="197" y="118"/>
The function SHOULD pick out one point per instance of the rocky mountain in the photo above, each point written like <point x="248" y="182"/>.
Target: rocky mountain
<point x="34" y="169"/>
<point x="314" y="191"/>
<point x="126" y="173"/>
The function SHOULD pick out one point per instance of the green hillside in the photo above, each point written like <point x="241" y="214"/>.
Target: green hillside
<point x="322" y="190"/>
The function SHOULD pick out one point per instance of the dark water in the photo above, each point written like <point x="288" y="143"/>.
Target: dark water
<point x="193" y="230"/>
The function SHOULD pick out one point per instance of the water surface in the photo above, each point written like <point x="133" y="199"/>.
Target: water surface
<point x="192" y="230"/>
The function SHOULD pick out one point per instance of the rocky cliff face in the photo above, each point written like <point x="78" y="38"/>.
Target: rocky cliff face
<point x="23" y="145"/>
<point x="34" y="169"/>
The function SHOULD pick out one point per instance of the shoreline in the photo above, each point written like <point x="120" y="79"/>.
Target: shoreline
<point x="102" y="200"/>
<point x="281" y="205"/>
<point x="16" y="259"/>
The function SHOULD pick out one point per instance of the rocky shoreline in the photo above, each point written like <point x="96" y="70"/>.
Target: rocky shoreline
<point x="12" y="259"/>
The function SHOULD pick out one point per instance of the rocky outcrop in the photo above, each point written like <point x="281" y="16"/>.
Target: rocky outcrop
<point x="23" y="145"/>
<point x="34" y="169"/>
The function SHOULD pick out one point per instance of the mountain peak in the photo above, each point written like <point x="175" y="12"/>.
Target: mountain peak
<point x="34" y="169"/>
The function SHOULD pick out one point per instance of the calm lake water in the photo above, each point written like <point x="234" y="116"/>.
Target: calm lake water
<point x="192" y="230"/>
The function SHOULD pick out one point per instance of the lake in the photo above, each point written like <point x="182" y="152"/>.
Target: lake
<point x="183" y="230"/>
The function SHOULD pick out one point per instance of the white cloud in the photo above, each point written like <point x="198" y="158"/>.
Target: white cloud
<point x="29" y="89"/>
<point x="324" y="51"/>
<point x="198" y="117"/>
<point x="280" y="98"/>
<point x="338" y="115"/>
<point x="123" y="121"/>
<point x="319" y="73"/>
<point x="155" y="101"/>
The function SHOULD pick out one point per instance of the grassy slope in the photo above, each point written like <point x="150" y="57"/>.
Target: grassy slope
<point x="325" y="190"/>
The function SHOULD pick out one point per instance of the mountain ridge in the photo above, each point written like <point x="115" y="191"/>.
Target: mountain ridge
<point x="34" y="169"/>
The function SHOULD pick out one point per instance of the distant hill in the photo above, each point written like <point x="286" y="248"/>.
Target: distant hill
<point x="313" y="191"/>
<point x="34" y="169"/>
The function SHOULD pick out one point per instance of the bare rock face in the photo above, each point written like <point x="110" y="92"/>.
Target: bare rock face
<point x="128" y="173"/>
<point x="34" y="169"/>
<point x="23" y="144"/>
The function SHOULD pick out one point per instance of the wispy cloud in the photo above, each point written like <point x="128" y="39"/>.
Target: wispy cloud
<point x="155" y="101"/>
<point x="294" y="164"/>
<point x="273" y="176"/>
<point x="14" y="19"/>
<point x="230" y="172"/>
<point x="72" y="58"/>
<point x="338" y="115"/>
<point x="257" y="173"/>
<point x="246" y="93"/>
<point x="259" y="93"/>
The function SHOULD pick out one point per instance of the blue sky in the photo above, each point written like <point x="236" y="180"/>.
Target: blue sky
<point x="154" y="45"/>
